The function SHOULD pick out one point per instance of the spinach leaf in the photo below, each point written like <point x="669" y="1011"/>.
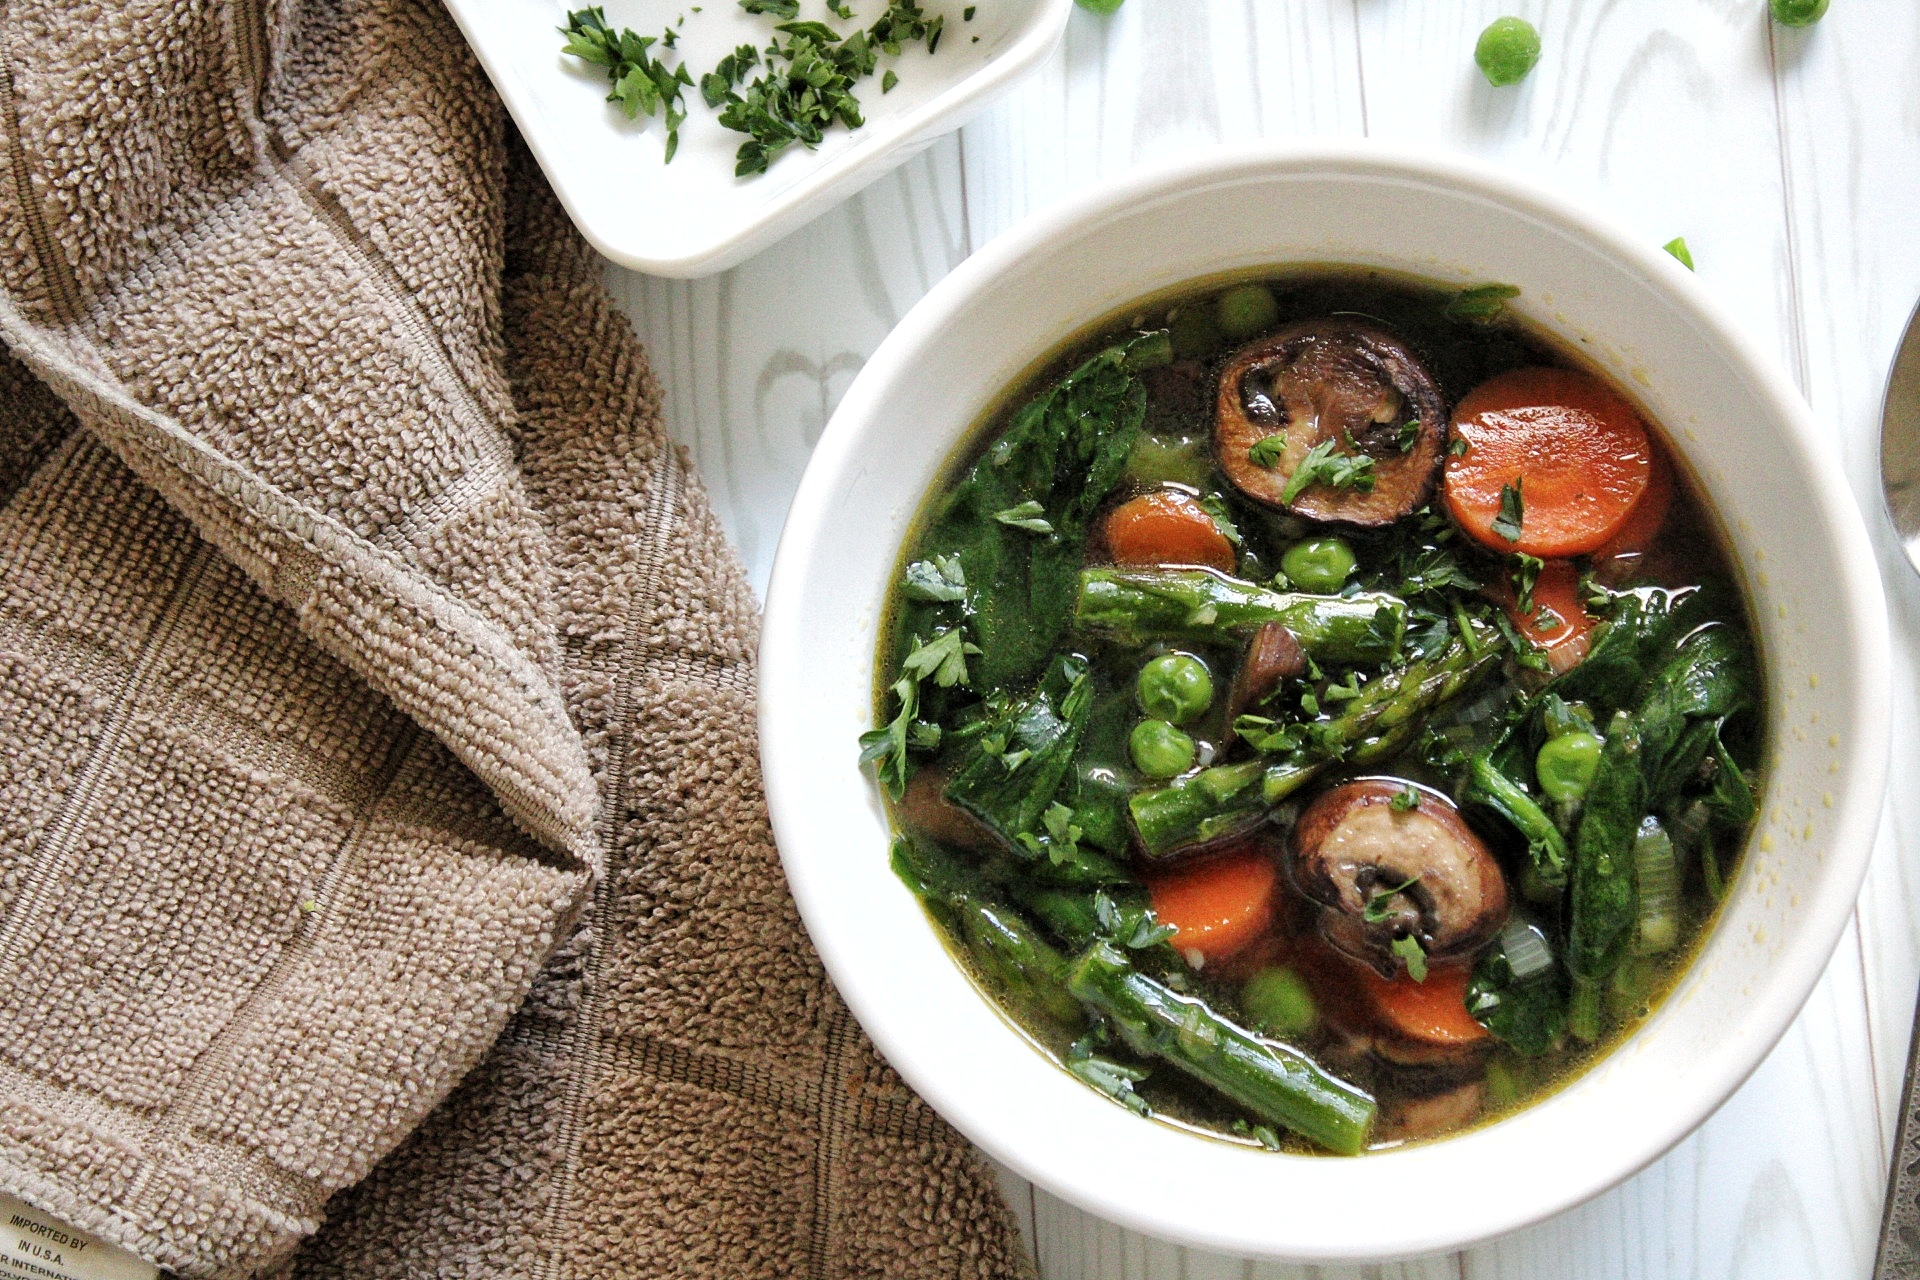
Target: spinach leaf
<point x="1017" y="523"/>
<point x="1011" y="773"/>
<point x="1529" y="1013"/>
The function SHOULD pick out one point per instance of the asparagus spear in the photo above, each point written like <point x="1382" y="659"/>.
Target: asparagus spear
<point x="1602" y="917"/>
<point x="1369" y="727"/>
<point x="1275" y="1084"/>
<point x="1136" y="605"/>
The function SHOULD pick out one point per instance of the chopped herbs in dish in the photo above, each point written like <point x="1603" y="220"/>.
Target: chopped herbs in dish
<point x="791" y="90"/>
<point x="1326" y="720"/>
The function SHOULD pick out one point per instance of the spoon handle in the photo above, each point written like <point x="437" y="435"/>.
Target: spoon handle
<point x="1900" y="1228"/>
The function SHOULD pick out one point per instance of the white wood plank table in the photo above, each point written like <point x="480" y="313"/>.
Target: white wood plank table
<point x="1790" y="160"/>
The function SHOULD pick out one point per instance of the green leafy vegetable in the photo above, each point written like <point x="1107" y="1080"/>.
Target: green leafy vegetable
<point x="942" y="579"/>
<point x="1527" y="1013"/>
<point x="1059" y="458"/>
<point x="1266" y="451"/>
<point x="1526" y="572"/>
<point x="1482" y="304"/>
<point x="1512" y="512"/>
<point x="776" y="8"/>
<point x="1408" y="948"/>
<point x="641" y="83"/>
<point x="1028" y="515"/>
<point x="1323" y="465"/>
<point x="1011" y="774"/>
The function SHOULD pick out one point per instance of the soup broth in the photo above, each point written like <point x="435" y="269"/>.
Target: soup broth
<point x="1319" y="712"/>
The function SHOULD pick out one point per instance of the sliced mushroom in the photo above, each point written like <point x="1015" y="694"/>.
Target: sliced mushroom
<point x="1273" y="655"/>
<point x="1339" y="380"/>
<point x="1410" y="1119"/>
<point x="1381" y="874"/>
<point x="925" y="808"/>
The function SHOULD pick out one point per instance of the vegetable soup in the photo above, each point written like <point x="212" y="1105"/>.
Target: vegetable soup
<point x="1319" y="712"/>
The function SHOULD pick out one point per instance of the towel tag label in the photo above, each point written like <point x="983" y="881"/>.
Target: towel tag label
<point x="34" y="1246"/>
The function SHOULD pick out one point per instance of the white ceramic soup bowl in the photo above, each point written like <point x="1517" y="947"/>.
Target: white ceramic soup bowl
<point x="1795" y="535"/>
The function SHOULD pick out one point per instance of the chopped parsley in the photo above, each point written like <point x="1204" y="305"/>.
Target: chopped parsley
<point x="1526" y="572"/>
<point x="1380" y="905"/>
<point x="1678" y="248"/>
<point x="944" y="657"/>
<point x="1512" y="512"/>
<point x="939" y="580"/>
<point x="1323" y="465"/>
<point x="1115" y="1079"/>
<point x="1266" y="451"/>
<point x="1482" y="304"/>
<point x="641" y="83"/>
<point x="1409" y="435"/>
<point x="1028" y="515"/>
<point x="805" y="85"/>
<point x="1410" y="950"/>
<point x="1405" y="800"/>
<point x="1458" y="446"/>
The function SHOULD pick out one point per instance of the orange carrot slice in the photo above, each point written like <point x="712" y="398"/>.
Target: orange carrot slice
<point x="1167" y="527"/>
<point x="1559" y="622"/>
<point x="1434" y="1011"/>
<point x="1553" y="447"/>
<point x="1218" y="906"/>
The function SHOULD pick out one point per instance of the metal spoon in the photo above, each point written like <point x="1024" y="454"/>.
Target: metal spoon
<point x="1900" y="483"/>
<point x="1900" y="442"/>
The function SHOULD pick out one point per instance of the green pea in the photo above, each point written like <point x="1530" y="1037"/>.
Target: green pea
<point x="1318" y="564"/>
<point x="1245" y="310"/>
<point x="1278" y="1001"/>
<point x="1798" y="13"/>
<point x="1565" y="765"/>
<point x="1175" y="687"/>
<point x="1193" y="332"/>
<point x="1507" y="50"/>
<point x="1159" y="750"/>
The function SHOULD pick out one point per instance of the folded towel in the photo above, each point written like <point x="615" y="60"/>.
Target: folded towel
<point x="376" y="709"/>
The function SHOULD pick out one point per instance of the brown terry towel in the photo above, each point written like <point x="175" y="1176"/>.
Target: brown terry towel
<point x="361" y="641"/>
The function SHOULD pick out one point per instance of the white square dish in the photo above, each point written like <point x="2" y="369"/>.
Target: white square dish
<point x="692" y="217"/>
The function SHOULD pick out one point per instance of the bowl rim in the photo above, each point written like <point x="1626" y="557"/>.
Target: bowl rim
<point x="1859" y="589"/>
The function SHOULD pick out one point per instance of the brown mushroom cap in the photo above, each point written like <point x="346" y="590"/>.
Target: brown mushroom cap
<point x="1350" y="846"/>
<point x="1335" y="379"/>
<point x="1273" y="655"/>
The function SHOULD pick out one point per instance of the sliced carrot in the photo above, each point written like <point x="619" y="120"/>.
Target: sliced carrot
<point x="1218" y="906"/>
<point x="1577" y="456"/>
<point x="1167" y="527"/>
<point x="1434" y="1011"/>
<point x="1644" y="522"/>
<point x="1559" y="622"/>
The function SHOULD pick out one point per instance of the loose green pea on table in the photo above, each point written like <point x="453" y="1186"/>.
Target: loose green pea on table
<point x="1507" y="50"/>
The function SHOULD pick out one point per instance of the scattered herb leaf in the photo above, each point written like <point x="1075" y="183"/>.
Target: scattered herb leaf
<point x="1323" y="465"/>
<point x="1526" y="569"/>
<point x="1028" y="515"/>
<point x="1409" y="435"/>
<point x="641" y="83"/>
<point x="939" y="580"/>
<point x="1266" y="451"/>
<point x="1380" y="905"/>
<point x="1410" y="950"/>
<point x="1405" y="800"/>
<point x="1512" y="512"/>
<point x="1678" y="248"/>
<point x="1482" y="304"/>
